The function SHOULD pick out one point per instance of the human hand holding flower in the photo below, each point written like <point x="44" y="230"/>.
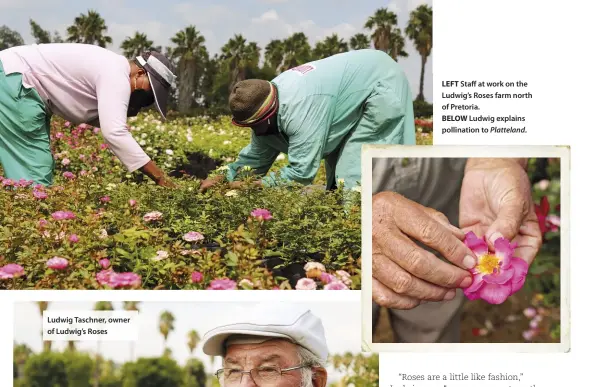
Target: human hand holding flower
<point x="496" y="203"/>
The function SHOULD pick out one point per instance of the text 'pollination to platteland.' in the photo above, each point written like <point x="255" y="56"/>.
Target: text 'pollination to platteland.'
<point x="465" y="108"/>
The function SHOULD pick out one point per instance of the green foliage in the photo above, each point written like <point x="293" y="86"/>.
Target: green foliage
<point x="153" y="372"/>
<point x="319" y="225"/>
<point x="79" y="368"/>
<point x="422" y="108"/>
<point x="358" y="369"/>
<point x="46" y="369"/>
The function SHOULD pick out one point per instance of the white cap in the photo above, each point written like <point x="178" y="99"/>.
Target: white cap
<point x="266" y="322"/>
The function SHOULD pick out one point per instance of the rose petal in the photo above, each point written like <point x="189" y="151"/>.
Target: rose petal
<point x="477" y="245"/>
<point x="504" y="251"/>
<point x="499" y="278"/>
<point x="495" y="294"/>
<point x="476" y="284"/>
<point x="520" y="268"/>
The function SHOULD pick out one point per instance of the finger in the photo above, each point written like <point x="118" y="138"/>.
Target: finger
<point x="416" y="260"/>
<point x="384" y="297"/>
<point x="443" y="220"/>
<point x="528" y="242"/>
<point x="403" y="283"/>
<point x="425" y="229"/>
<point x="508" y="221"/>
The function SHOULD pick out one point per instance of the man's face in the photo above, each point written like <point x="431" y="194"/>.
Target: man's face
<point x="141" y="95"/>
<point x="272" y="353"/>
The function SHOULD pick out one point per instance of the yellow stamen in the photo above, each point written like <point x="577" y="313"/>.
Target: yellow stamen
<point x="488" y="263"/>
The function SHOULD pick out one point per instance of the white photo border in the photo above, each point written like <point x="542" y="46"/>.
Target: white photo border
<point x="370" y="152"/>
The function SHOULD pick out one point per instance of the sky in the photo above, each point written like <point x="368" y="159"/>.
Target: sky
<point x="258" y="20"/>
<point x="341" y="321"/>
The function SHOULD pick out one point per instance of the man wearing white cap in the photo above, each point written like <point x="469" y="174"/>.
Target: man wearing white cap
<point x="274" y="346"/>
<point x="81" y="83"/>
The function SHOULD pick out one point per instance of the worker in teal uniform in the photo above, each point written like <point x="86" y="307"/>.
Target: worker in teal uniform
<point x="322" y="110"/>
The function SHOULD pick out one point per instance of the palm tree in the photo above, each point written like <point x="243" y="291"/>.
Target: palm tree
<point x="41" y="36"/>
<point x="330" y="46"/>
<point x="136" y="45"/>
<point x="296" y="49"/>
<point x="382" y="22"/>
<point x="43" y="306"/>
<point x="189" y="51"/>
<point x="397" y="45"/>
<point x="193" y="340"/>
<point x="89" y="29"/>
<point x="419" y="29"/>
<point x="359" y="42"/>
<point x="131" y="306"/>
<point x="273" y="54"/>
<point x="166" y="325"/>
<point x="100" y="307"/>
<point x="239" y="56"/>
<point x="71" y="346"/>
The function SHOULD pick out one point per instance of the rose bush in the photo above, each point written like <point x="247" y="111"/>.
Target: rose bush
<point x="101" y="227"/>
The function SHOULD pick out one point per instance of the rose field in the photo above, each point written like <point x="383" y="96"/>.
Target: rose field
<point x="533" y="313"/>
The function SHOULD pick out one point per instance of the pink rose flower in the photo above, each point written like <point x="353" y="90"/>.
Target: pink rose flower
<point x="67" y="124"/>
<point x="103" y="146"/>
<point x="96" y="130"/>
<point x="305" y="284"/>
<point x="65" y="161"/>
<point x="105" y="199"/>
<point x="262" y="214"/>
<point x="40" y="195"/>
<point x="530" y="334"/>
<point x="57" y="263"/>
<point x="152" y="216"/>
<point x="132" y="203"/>
<point x="125" y="280"/>
<point x="222" y="284"/>
<point x="497" y="275"/>
<point x="11" y="270"/>
<point x="73" y="238"/>
<point x="104" y="277"/>
<point x="83" y="173"/>
<point x="104" y="263"/>
<point x="24" y="183"/>
<point x="196" y="276"/>
<point x="59" y="135"/>
<point x="327" y="278"/>
<point x="530" y="312"/>
<point x="42" y="223"/>
<point x="7" y="183"/>
<point x="337" y="285"/>
<point x="68" y="175"/>
<point x="193" y="236"/>
<point x="344" y="276"/>
<point x="63" y="215"/>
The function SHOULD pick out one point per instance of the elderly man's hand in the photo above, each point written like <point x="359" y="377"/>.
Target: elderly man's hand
<point x="404" y="273"/>
<point x="496" y="202"/>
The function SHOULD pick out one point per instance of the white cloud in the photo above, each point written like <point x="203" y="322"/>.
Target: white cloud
<point x="266" y="17"/>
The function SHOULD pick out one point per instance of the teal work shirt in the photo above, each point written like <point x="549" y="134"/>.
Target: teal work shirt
<point x="320" y="104"/>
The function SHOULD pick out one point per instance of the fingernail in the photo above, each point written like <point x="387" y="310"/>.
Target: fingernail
<point x="495" y="236"/>
<point x="469" y="262"/>
<point x="449" y="295"/>
<point x="466" y="282"/>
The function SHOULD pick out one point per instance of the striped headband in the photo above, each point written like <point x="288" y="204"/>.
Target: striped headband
<point x="264" y="112"/>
